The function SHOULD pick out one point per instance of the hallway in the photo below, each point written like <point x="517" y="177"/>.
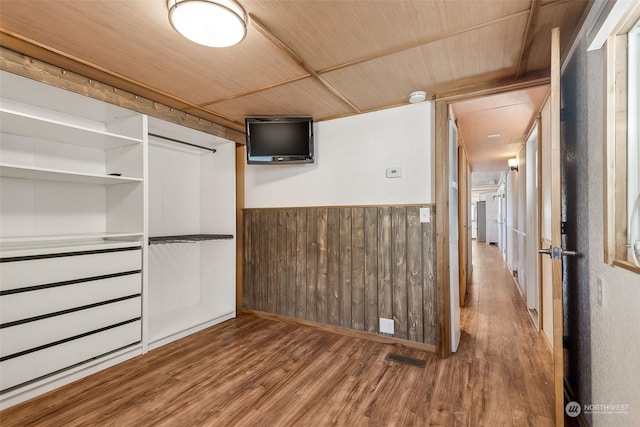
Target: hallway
<point x="254" y="371"/>
<point x="503" y="349"/>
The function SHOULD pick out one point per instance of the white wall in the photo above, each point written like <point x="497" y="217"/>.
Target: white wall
<point x="454" y="262"/>
<point x="615" y="336"/>
<point x="352" y="155"/>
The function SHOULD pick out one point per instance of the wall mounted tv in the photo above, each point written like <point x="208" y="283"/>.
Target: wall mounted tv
<point x="279" y="140"/>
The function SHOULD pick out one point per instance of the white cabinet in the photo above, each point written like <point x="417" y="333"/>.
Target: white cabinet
<point x="84" y="187"/>
<point x="71" y="236"/>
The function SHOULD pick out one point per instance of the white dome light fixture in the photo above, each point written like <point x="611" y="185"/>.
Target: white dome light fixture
<point x="213" y="23"/>
<point x="417" y="96"/>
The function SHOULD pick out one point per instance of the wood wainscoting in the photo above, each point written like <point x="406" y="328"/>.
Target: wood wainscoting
<point x="344" y="266"/>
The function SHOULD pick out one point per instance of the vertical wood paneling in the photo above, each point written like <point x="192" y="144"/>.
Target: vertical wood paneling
<point x="247" y="271"/>
<point x="323" y="272"/>
<point x="430" y="280"/>
<point x="301" y="264"/>
<point x="415" y="322"/>
<point x="272" y="267"/>
<point x="384" y="263"/>
<point x="399" y="274"/>
<point x="292" y="246"/>
<point x="333" y="260"/>
<point x="281" y="273"/>
<point x="371" y="268"/>
<point x="312" y="264"/>
<point x="441" y="154"/>
<point x="344" y="266"/>
<point x="357" y="269"/>
<point x="255" y="253"/>
<point x="344" y="276"/>
<point x="265" y="258"/>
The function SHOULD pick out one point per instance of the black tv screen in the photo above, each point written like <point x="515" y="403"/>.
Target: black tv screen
<point x="277" y="140"/>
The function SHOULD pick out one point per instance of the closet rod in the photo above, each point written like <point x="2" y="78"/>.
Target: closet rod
<point x="213" y="150"/>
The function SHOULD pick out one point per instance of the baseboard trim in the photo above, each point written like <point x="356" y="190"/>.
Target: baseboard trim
<point x="344" y="331"/>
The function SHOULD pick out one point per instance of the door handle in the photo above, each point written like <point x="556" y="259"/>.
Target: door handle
<point x="556" y="253"/>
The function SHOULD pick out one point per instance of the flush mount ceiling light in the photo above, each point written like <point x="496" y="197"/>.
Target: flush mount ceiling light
<point x="417" y="96"/>
<point x="214" y="23"/>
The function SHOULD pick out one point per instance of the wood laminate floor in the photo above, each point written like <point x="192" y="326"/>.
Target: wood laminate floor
<point x="257" y="372"/>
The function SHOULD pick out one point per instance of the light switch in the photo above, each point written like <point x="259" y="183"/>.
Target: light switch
<point x="425" y="214"/>
<point x="394" y="172"/>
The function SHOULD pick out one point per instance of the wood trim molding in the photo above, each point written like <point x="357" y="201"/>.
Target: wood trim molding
<point x="556" y="215"/>
<point x="240" y="167"/>
<point x="422" y="205"/>
<point x="529" y="31"/>
<point x="499" y="86"/>
<point x="442" y="226"/>
<point x="35" y="69"/>
<point x="293" y="55"/>
<point x="343" y="331"/>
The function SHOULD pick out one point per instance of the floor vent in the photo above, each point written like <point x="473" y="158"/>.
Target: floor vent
<point x="406" y="360"/>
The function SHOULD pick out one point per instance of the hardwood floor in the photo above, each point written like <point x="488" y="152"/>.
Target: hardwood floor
<point x="259" y="372"/>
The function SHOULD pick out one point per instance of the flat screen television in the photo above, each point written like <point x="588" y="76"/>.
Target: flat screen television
<point x="279" y="140"/>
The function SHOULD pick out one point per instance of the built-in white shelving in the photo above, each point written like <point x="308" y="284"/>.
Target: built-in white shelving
<point x="72" y="233"/>
<point x="43" y="245"/>
<point x="192" y="228"/>
<point x="72" y="167"/>
<point x="111" y="233"/>
<point x="46" y="174"/>
<point x="33" y="126"/>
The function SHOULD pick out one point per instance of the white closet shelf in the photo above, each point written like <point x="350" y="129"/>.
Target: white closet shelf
<point x="40" y="245"/>
<point x="18" y="123"/>
<point x="46" y="174"/>
<point x="61" y="239"/>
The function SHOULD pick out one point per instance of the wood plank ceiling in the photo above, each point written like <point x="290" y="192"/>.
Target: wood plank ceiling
<point x="493" y="128"/>
<point x="327" y="59"/>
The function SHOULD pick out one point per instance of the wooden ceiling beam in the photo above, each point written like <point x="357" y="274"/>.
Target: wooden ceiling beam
<point x="495" y="87"/>
<point x="286" y="49"/>
<point x="527" y="37"/>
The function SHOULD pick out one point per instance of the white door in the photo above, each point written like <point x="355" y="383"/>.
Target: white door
<point x="454" y="271"/>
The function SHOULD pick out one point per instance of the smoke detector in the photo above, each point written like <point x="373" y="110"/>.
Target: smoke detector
<point x="417" y="96"/>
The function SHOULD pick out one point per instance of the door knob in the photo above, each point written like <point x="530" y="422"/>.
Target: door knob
<point x="556" y="253"/>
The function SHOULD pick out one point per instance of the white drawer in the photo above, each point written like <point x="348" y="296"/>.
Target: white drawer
<point x="31" y="335"/>
<point x="39" y="271"/>
<point x="21" y="369"/>
<point x="24" y="305"/>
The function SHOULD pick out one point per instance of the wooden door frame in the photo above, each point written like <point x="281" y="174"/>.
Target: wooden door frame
<point x="464" y="222"/>
<point x="441" y="165"/>
<point x="556" y="217"/>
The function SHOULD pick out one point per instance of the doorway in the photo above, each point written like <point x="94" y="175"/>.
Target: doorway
<point x="499" y="137"/>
